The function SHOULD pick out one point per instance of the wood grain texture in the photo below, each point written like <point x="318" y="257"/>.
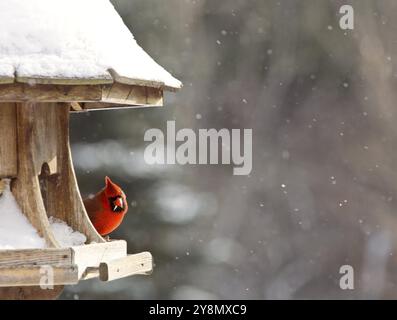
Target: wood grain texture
<point x="134" y="264"/>
<point x="36" y="145"/>
<point x="133" y="95"/>
<point x="144" y="83"/>
<point x="60" y="257"/>
<point x="8" y="140"/>
<point x="76" y="106"/>
<point x="154" y="96"/>
<point x="29" y="293"/>
<point x="97" y="96"/>
<point x="60" y="191"/>
<point x="21" y="92"/>
<point x="2" y="186"/>
<point x="94" y="106"/>
<point x="91" y="255"/>
<point x="121" y="96"/>
<point x="117" y="92"/>
<point x="136" y="82"/>
<point x="109" y="261"/>
<point x="30" y="275"/>
<point x="6" y="80"/>
<point x="65" y="81"/>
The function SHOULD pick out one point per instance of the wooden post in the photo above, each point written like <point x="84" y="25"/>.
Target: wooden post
<point x="43" y="151"/>
<point x="35" y="155"/>
<point x="35" y="143"/>
<point x="8" y="140"/>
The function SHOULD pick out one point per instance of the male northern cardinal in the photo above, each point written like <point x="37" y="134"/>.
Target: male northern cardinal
<point x="107" y="208"/>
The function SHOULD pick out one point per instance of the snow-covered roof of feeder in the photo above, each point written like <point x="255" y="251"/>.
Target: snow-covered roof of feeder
<point x="75" y="55"/>
<point x="75" y="43"/>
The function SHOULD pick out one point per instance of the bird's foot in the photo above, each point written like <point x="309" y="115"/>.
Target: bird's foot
<point x="107" y="238"/>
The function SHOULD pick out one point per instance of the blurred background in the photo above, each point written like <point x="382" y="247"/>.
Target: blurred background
<point x="322" y="192"/>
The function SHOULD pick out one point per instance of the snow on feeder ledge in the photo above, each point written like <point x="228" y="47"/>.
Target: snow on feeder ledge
<point x="58" y="57"/>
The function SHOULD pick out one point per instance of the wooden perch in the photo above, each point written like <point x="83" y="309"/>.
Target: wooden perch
<point x="108" y="261"/>
<point x="134" y="264"/>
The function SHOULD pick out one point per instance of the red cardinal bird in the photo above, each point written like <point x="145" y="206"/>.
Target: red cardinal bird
<point x="107" y="208"/>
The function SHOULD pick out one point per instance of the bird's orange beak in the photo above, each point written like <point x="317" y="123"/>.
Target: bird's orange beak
<point x="119" y="202"/>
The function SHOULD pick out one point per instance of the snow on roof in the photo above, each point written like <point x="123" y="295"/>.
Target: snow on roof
<point x="73" y="39"/>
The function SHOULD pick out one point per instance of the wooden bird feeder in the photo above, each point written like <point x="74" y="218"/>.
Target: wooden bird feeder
<point x="36" y="98"/>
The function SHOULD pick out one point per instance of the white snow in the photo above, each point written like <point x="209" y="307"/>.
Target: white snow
<point x="15" y="230"/>
<point x="6" y="70"/>
<point x="72" y="39"/>
<point x="65" y="235"/>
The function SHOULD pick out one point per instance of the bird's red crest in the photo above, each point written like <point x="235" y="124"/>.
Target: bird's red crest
<point x="112" y="189"/>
